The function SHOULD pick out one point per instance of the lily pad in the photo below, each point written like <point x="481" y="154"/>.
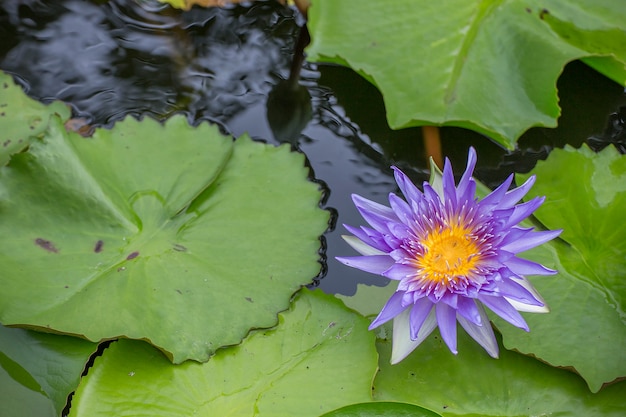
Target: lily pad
<point x="586" y="328"/>
<point x="22" y="118"/>
<point x="482" y="65"/>
<point x="369" y="299"/>
<point x="169" y="233"/>
<point x="319" y="358"/>
<point x="474" y="384"/>
<point x="38" y="371"/>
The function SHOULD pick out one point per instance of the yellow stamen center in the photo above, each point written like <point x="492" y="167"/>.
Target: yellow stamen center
<point x="448" y="253"/>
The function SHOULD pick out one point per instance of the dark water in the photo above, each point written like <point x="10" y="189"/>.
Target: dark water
<point x="118" y="58"/>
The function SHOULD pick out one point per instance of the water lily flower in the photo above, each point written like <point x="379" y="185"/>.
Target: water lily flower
<point x="452" y="254"/>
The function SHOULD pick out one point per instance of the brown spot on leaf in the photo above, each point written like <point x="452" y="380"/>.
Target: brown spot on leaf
<point x="6" y="143"/>
<point x="542" y="13"/>
<point x="180" y="292"/>
<point x="5" y="85"/>
<point x="121" y="268"/>
<point x="80" y="125"/>
<point x="46" y="244"/>
<point x="98" y="247"/>
<point x="132" y="256"/>
<point x="250" y="300"/>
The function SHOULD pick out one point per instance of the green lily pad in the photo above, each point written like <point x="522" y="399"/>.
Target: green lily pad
<point x="586" y="328"/>
<point x="482" y="65"/>
<point x="474" y="384"/>
<point x="168" y="233"/>
<point x="369" y="299"/>
<point x="381" y="409"/>
<point x="319" y="358"/>
<point x="22" y="118"/>
<point x="38" y="371"/>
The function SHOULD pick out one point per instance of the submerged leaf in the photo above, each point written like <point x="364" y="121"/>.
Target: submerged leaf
<point x="167" y="233"/>
<point x="319" y="358"/>
<point x="482" y="65"/>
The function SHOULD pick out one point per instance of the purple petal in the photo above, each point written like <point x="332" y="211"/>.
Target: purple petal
<point x="430" y="194"/>
<point x="377" y="215"/>
<point x="521" y="211"/>
<point x="399" y="271"/>
<point x="400" y="255"/>
<point x="469" y="170"/>
<point x="466" y="180"/>
<point x="375" y="264"/>
<point x="402" y="209"/>
<point x="369" y="236"/>
<point x="514" y="234"/>
<point x="504" y="309"/>
<point x="466" y="307"/>
<point x="363" y="204"/>
<point x="379" y="223"/>
<point x="496" y="195"/>
<point x="513" y="290"/>
<point x="410" y="191"/>
<point x="397" y="233"/>
<point x="530" y="240"/>
<point x="524" y="267"/>
<point x="393" y="307"/>
<point x="419" y="312"/>
<point x="468" y="193"/>
<point x="527" y="307"/>
<point x="483" y="334"/>
<point x="446" y="319"/>
<point x="515" y="195"/>
<point x="449" y="188"/>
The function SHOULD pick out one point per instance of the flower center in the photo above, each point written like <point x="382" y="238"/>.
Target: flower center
<point x="448" y="253"/>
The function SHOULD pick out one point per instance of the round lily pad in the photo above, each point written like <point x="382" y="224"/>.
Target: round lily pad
<point x="170" y="233"/>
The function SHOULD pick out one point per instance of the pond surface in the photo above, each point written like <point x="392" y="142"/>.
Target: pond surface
<point x="112" y="59"/>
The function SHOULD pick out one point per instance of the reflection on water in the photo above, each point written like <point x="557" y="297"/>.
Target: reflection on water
<point x="109" y="59"/>
<point x="122" y="57"/>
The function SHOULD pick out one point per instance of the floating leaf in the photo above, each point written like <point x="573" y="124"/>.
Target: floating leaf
<point x="22" y="118"/>
<point x="474" y="384"/>
<point x="38" y="371"/>
<point x="319" y="358"/>
<point x="167" y="233"/>
<point x="482" y="65"/>
<point x="586" y="328"/>
<point x="369" y="299"/>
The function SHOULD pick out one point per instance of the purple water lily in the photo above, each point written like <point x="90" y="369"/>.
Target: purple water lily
<point x="452" y="255"/>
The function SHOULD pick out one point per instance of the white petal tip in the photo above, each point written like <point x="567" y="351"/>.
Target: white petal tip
<point x="528" y="308"/>
<point x="361" y="247"/>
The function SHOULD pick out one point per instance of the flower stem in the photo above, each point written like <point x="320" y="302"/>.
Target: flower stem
<point x="432" y="144"/>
